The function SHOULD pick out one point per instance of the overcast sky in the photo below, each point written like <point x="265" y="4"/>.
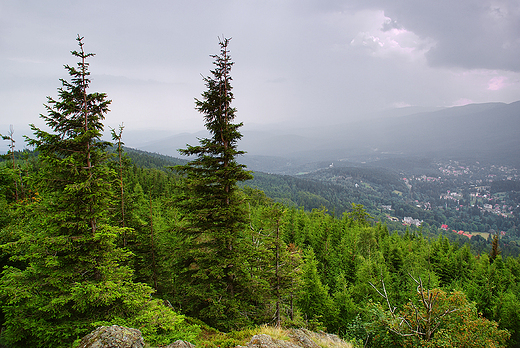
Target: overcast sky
<point x="309" y="61"/>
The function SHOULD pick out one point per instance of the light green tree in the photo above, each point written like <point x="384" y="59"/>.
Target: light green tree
<point x="314" y="300"/>
<point x="435" y="318"/>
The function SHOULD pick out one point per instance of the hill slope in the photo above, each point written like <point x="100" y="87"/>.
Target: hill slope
<point x="483" y="132"/>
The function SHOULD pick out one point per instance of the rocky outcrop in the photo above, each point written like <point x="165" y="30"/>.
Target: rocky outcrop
<point x="303" y="338"/>
<point x="180" y="344"/>
<point x="123" y="337"/>
<point x="298" y="338"/>
<point x="113" y="337"/>
<point x="266" y="341"/>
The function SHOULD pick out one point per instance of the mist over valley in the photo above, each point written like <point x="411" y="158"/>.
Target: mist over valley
<point x="487" y="132"/>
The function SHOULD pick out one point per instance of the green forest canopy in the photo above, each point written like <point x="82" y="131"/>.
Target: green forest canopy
<point x="74" y="257"/>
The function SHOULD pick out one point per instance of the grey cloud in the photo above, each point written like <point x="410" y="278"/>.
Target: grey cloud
<point x="293" y="58"/>
<point x="391" y="24"/>
<point x="469" y="34"/>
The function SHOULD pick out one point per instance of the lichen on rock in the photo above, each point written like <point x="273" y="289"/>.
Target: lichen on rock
<point x="113" y="337"/>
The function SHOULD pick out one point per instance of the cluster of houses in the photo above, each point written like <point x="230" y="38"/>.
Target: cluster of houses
<point x="454" y="196"/>
<point x="408" y="221"/>
<point x="497" y="209"/>
<point x="462" y="233"/>
<point x="455" y="170"/>
<point x="426" y="178"/>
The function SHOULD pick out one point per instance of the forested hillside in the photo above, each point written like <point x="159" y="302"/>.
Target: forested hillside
<point x="90" y="237"/>
<point x="485" y="132"/>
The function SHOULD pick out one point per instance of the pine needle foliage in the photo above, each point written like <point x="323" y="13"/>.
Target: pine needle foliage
<point x="210" y="266"/>
<point x="73" y="155"/>
<point x="74" y="276"/>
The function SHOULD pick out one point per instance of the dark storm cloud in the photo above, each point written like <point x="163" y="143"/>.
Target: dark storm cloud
<point x="304" y="61"/>
<point x="471" y="34"/>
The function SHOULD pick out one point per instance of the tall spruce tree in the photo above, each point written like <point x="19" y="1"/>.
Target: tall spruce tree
<point x="74" y="276"/>
<point x="211" y="268"/>
<point x="73" y="156"/>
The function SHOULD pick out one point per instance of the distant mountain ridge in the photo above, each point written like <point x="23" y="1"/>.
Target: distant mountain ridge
<point x="486" y="132"/>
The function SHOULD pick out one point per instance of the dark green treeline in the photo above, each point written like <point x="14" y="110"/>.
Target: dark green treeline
<point x="304" y="268"/>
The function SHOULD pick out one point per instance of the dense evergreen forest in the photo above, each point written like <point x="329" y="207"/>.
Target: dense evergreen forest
<point x="90" y="237"/>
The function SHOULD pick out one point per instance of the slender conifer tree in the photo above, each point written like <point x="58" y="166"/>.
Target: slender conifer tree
<point x="211" y="268"/>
